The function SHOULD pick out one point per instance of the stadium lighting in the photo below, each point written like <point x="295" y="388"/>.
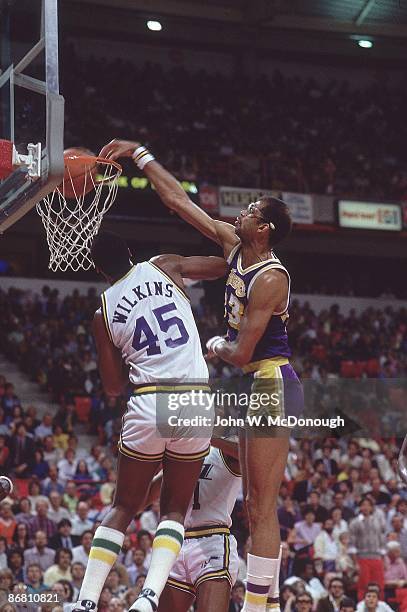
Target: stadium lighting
<point x="365" y="44"/>
<point x="154" y="26"/>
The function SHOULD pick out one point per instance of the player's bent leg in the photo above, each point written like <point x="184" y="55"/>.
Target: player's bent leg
<point x="179" y="480"/>
<point x="108" y="539"/>
<point x="175" y="600"/>
<point x="213" y="595"/>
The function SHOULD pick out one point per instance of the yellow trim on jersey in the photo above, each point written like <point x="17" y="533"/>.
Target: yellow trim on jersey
<point x="204" y="532"/>
<point x="127" y="452"/>
<point x="256" y="265"/>
<point x="172" y="281"/>
<point x="105" y="318"/>
<point x="125" y="275"/>
<point x="233" y="252"/>
<point x="181" y="586"/>
<point x="265" y="367"/>
<point x="222" y="456"/>
<point x="186" y="457"/>
<point x="145" y="389"/>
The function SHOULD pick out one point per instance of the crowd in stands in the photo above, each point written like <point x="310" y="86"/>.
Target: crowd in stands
<point x="342" y="508"/>
<point x="274" y="131"/>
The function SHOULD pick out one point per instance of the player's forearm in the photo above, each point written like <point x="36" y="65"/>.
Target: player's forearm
<point x="233" y="352"/>
<point x="166" y="185"/>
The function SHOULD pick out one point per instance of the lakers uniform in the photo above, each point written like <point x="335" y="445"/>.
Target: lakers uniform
<point x="149" y="318"/>
<point x="269" y="371"/>
<point x="209" y="551"/>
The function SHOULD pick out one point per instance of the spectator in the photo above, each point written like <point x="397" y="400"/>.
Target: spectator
<point x="41" y="522"/>
<point x="371" y="603"/>
<point x="332" y="602"/>
<point x="144" y="540"/>
<point x="107" y="488"/>
<point x="39" y="553"/>
<point x="395" y="570"/>
<point x="34" y="492"/>
<point x="7" y="522"/>
<point x="51" y="483"/>
<point x="237" y="596"/>
<point x="51" y="453"/>
<point x="81" y="553"/>
<point x="138" y="566"/>
<point x="3" y="553"/>
<point x="6" y="579"/>
<point x="21" y="453"/>
<point x="4" y="452"/>
<point x="67" y="467"/>
<point x="321" y="513"/>
<point x="287" y="516"/>
<point x="325" y="546"/>
<point x="61" y="569"/>
<point x="81" y="522"/>
<point x="34" y="579"/>
<point x="40" y="468"/>
<point x="345" y="562"/>
<point x="56" y="511"/>
<point x="20" y="536"/>
<point x="149" y="519"/>
<point x="305" y="531"/>
<point x="113" y="582"/>
<point x="70" y="497"/>
<point x="15" y="562"/>
<point x="45" y="429"/>
<point x="78" y="573"/>
<point x="24" y="511"/>
<point x="339" y="524"/>
<point x="367" y="536"/>
<point x="104" y="600"/>
<point x="347" y="605"/>
<point x="126" y="554"/>
<point x="64" y="538"/>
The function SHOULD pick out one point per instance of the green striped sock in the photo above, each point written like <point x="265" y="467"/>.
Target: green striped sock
<point x="167" y="544"/>
<point x="106" y="546"/>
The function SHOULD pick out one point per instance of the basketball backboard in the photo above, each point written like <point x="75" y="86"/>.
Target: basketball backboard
<point x="31" y="107"/>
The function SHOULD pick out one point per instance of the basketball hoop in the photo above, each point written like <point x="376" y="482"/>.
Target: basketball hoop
<point x="73" y="212"/>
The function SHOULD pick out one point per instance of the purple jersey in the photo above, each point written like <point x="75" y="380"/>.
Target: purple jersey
<point x="274" y="342"/>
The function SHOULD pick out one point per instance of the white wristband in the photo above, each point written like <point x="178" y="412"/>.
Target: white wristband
<point x="142" y="156"/>
<point x="214" y="343"/>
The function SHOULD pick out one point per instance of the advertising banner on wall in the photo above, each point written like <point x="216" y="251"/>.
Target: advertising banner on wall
<point x="233" y="199"/>
<point x="369" y="215"/>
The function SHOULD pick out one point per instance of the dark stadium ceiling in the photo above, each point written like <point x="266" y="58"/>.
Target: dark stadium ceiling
<point x="374" y="17"/>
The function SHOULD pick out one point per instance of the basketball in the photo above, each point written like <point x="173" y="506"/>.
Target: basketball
<point x="80" y="169"/>
<point x="6" y="487"/>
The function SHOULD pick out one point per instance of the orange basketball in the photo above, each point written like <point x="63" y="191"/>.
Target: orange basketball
<point x="80" y="169"/>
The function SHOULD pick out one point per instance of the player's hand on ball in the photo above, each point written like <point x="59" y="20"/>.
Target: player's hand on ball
<point x="6" y="487"/>
<point x="119" y="148"/>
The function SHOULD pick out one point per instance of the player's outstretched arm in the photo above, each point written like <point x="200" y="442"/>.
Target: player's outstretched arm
<point x="269" y="290"/>
<point x="174" y="197"/>
<point x="112" y="370"/>
<point x="196" y="267"/>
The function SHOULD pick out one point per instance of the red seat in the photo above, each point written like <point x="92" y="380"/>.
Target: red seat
<point x="82" y="408"/>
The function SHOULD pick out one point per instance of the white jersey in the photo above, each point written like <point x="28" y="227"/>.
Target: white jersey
<point x="215" y="493"/>
<point x="149" y="318"/>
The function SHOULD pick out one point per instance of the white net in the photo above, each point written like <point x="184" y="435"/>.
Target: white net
<point x="72" y="223"/>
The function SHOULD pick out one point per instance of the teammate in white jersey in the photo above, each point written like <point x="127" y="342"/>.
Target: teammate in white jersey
<point x="207" y="566"/>
<point x="146" y="333"/>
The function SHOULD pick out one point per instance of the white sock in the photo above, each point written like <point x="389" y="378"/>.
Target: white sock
<point x="167" y="544"/>
<point x="273" y="600"/>
<point x="260" y="573"/>
<point x="106" y="546"/>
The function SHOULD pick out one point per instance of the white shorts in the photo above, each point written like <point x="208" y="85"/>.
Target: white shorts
<point x="147" y="433"/>
<point x="205" y="557"/>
